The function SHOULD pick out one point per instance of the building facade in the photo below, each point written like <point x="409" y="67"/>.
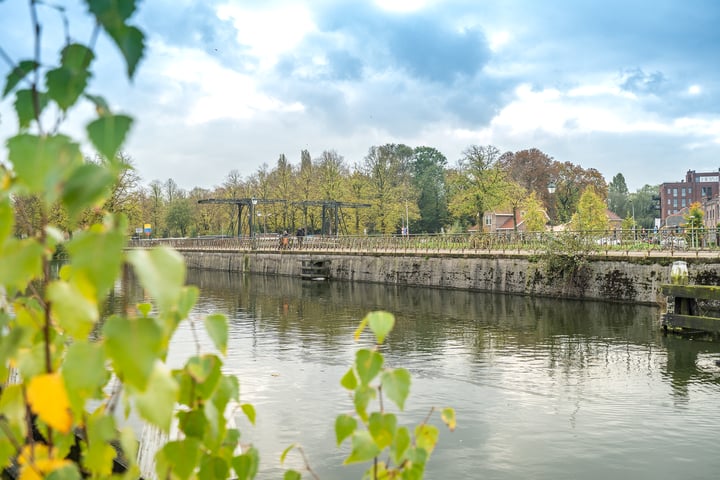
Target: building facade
<point x="697" y="187"/>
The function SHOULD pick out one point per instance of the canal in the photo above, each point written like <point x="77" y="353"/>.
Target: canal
<point x="543" y="388"/>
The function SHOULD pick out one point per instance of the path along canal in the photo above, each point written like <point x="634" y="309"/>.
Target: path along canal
<point x="543" y="388"/>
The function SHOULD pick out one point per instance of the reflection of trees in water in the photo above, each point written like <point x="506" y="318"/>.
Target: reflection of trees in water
<point x="569" y="336"/>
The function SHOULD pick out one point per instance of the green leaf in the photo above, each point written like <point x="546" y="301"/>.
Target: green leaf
<point x="67" y="472"/>
<point x="67" y="82"/>
<point x="88" y="186"/>
<point x="25" y="107"/>
<point x="249" y="412"/>
<point x="205" y="371"/>
<point x="7" y="452"/>
<point x="381" y="323"/>
<point x="246" y="465"/>
<point x="285" y="452"/>
<point x="178" y="459"/>
<point x="65" y="86"/>
<point x="217" y="328"/>
<point x="396" y="385"/>
<point x="134" y="365"/>
<point x="161" y="272"/>
<point x="361" y="399"/>
<point x="21" y="262"/>
<point x="414" y="468"/>
<point x="448" y="416"/>
<point x="401" y="444"/>
<point x="144" y="309"/>
<point x="84" y="373"/>
<point x="101" y="106"/>
<point x="156" y="404"/>
<point x="188" y="298"/>
<point x="7" y="219"/>
<point x="22" y="69"/>
<point x="213" y="467"/>
<point x="193" y="423"/>
<point x="368" y="364"/>
<point x="426" y="437"/>
<point x="364" y="448"/>
<point x="42" y="164"/>
<point x="73" y="311"/>
<point x="291" y="475"/>
<point x="108" y="133"/>
<point x="100" y="453"/>
<point x="97" y="256"/>
<point x="382" y="428"/>
<point x="345" y="425"/>
<point x="349" y="380"/>
<point x="131" y="43"/>
<point x="111" y="13"/>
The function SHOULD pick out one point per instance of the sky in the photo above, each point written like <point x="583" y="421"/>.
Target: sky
<point x="627" y="86"/>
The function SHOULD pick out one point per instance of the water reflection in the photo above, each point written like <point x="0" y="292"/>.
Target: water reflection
<point x="543" y="388"/>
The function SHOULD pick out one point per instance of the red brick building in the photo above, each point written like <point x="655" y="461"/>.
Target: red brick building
<point x="697" y="187"/>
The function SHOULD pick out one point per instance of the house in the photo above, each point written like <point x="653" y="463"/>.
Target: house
<point x="502" y="221"/>
<point x="697" y="187"/>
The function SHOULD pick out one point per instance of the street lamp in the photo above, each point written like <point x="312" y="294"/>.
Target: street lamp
<point x="551" y="190"/>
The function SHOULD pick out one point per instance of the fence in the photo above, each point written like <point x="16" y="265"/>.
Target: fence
<point x="680" y="242"/>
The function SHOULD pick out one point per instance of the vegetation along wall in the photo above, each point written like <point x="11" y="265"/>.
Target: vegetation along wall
<point x="631" y="280"/>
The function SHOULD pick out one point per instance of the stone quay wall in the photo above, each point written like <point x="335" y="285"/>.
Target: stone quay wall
<point x="629" y="280"/>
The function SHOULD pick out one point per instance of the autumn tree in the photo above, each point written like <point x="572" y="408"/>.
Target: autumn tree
<point x="532" y="169"/>
<point x="570" y="182"/>
<point x="695" y="224"/>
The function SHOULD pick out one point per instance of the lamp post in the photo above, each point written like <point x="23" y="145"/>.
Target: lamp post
<point x="551" y="190"/>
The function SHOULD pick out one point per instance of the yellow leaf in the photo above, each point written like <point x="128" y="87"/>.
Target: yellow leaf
<point x="49" y="400"/>
<point x="37" y="462"/>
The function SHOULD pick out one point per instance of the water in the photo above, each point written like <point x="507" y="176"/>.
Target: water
<point x="543" y="388"/>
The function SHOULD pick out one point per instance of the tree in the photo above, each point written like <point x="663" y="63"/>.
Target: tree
<point x="570" y="181"/>
<point x="479" y="184"/>
<point x="429" y="183"/>
<point x="591" y="215"/>
<point x="178" y="217"/>
<point x="532" y="169"/>
<point x="695" y="224"/>
<point x="643" y="204"/>
<point x="618" y="195"/>
<point x="387" y="169"/>
<point x="535" y="217"/>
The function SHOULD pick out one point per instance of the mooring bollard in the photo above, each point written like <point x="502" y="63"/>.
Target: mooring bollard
<point x="679" y="273"/>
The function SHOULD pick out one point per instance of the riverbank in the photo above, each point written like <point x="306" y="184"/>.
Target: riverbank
<point x="628" y="280"/>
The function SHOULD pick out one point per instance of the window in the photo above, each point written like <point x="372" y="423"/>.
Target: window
<point x="668" y="191"/>
<point x="488" y="220"/>
<point x="675" y="202"/>
<point x="682" y="192"/>
<point x="674" y="192"/>
<point x="683" y="202"/>
<point x="689" y="190"/>
<point x="669" y="202"/>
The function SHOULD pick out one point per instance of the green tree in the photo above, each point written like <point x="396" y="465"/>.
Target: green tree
<point x="479" y="184"/>
<point x="429" y="183"/>
<point x="591" y="215"/>
<point x="535" y="217"/>
<point x="570" y="181"/>
<point x="618" y="196"/>
<point x="695" y="224"/>
<point x="643" y="204"/>
<point x="388" y="169"/>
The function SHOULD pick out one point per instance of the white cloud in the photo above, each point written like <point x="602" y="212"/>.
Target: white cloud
<point x="401" y="5"/>
<point x="499" y="40"/>
<point x="694" y="90"/>
<point x="205" y="90"/>
<point x="269" y="31"/>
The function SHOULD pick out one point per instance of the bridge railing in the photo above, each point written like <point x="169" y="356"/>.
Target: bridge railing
<point x="629" y="242"/>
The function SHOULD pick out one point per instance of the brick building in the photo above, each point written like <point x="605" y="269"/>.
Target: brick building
<point x="697" y="187"/>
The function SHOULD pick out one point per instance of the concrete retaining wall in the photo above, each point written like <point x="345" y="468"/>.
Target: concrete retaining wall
<point x="631" y="280"/>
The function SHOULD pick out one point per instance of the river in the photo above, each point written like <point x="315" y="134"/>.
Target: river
<point x="543" y="388"/>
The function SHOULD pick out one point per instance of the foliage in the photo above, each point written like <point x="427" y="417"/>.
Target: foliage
<point x="58" y="418"/>
<point x="480" y="183"/>
<point x="535" y="217"/>
<point x="695" y="224"/>
<point x="591" y="215"/>
<point x="373" y="434"/>
<point x="618" y="196"/>
<point x="566" y="256"/>
<point x="429" y="182"/>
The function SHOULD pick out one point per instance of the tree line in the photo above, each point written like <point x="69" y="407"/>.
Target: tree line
<point x="414" y="188"/>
